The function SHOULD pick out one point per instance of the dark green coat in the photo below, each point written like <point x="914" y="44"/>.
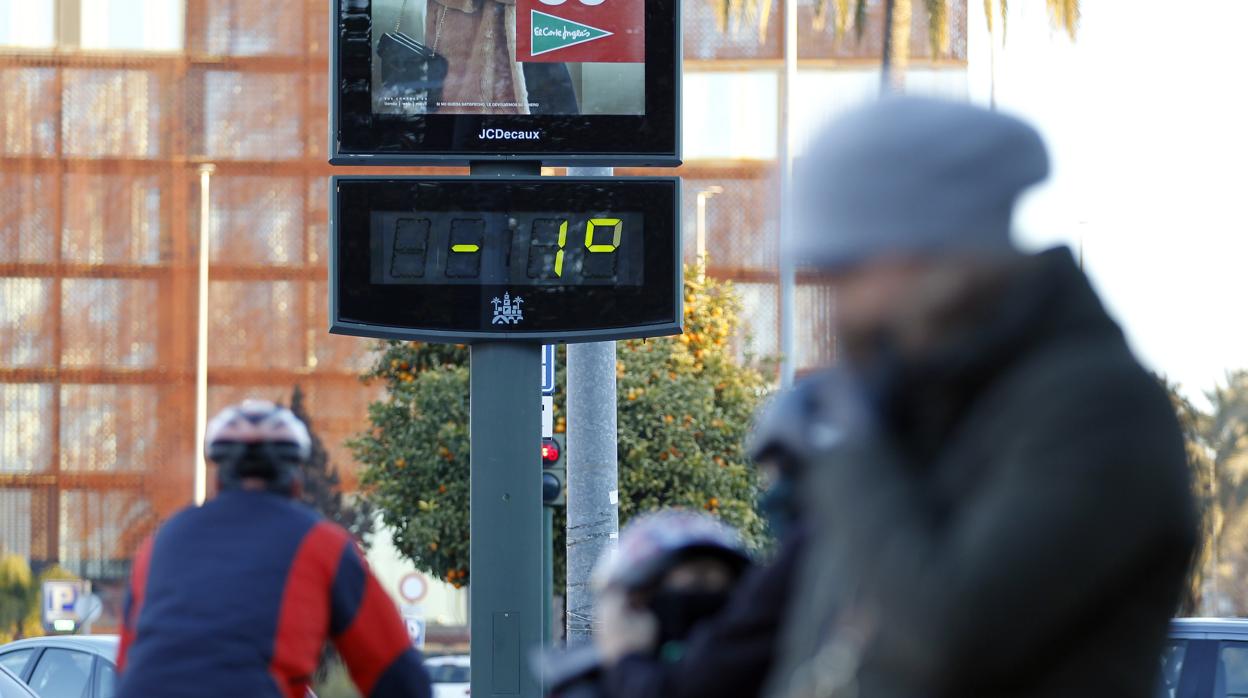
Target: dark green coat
<point x="1019" y="523"/>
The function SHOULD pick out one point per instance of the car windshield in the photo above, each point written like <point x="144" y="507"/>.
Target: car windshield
<point x="448" y="673"/>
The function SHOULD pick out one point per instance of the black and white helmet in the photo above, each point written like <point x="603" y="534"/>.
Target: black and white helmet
<point x="257" y="439"/>
<point x="653" y="543"/>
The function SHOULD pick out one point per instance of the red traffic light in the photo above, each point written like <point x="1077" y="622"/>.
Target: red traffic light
<point x="550" y="451"/>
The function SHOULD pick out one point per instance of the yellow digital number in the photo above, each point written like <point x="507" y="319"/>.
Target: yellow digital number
<point x="592" y="227"/>
<point x="563" y="240"/>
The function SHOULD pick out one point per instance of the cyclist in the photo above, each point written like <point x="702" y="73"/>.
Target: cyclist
<point x="239" y="596"/>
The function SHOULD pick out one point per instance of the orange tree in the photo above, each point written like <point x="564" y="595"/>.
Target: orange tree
<point x="685" y="405"/>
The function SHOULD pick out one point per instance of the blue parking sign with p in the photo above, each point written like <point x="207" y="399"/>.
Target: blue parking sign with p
<point x="60" y="600"/>
<point x="60" y="596"/>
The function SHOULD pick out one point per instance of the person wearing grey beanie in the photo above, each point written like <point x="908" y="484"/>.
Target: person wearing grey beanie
<point x="1013" y="517"/>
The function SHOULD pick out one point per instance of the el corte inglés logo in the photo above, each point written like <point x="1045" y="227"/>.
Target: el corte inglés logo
<point x="551" y="33"/>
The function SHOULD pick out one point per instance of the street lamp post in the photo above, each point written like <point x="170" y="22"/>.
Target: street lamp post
<point x="788" y="271"/>
<point x="703" y="196"/>
<point x="201" y="350"/>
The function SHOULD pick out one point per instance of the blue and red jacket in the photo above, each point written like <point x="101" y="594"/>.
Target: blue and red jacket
<point x="238" y="598"/>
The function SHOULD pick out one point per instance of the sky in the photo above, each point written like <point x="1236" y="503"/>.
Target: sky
<point x="1146" y="116"/>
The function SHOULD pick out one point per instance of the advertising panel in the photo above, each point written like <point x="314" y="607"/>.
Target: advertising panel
<point x="561" y="80"/>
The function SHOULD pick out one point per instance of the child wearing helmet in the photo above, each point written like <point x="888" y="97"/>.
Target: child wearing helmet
<point x="734" y="650"/>
<point x="678" y="567"/>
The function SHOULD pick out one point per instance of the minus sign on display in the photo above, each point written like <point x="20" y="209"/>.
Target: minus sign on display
<point x="465" y="248"/>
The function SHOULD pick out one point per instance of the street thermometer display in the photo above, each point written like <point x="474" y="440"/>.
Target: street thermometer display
<point x="544" y="248"/>
<point x="470" y="258"/>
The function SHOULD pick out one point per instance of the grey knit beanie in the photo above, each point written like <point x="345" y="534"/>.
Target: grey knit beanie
<point x="912" y="177"/>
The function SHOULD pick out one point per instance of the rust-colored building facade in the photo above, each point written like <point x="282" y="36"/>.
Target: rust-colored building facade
<point x="108" y="134"/>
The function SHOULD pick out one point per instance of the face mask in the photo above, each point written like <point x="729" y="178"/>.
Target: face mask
<point x="779" y="506"/>
<point x="678" y="612"/>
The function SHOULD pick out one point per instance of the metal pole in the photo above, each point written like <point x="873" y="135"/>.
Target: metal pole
<point x="548" y="574"/>
<point x="700" y="240"/>
<point x="593" y="514"/>
<point x="201" y="352"/>
<point x="788" y="272"/>
<point x="593" y="477"/>
<point x="505" y="535"/>
<point x="506" y="518"/>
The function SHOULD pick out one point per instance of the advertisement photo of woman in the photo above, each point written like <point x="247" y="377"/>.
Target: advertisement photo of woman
<point x="461" y="57"/>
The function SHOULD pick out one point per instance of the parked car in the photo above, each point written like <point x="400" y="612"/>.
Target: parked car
<point x="64" y="666"/>
<point x="449" y="675"/>
<point x="1205" y="658"/>
<point x="12" y="687"/>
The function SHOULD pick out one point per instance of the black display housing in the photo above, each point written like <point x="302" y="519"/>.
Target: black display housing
<point x="360" y="137"/>
<point x="645" y="302"/>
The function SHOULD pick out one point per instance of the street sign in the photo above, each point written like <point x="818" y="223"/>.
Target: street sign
<point x="62" y="603"/>
<point x="467" y="259"/>
<point x="548" y="369"/>
<point x="414" y="620"/>
<point x="413" y="587"/>
<point x="589" y="82"/>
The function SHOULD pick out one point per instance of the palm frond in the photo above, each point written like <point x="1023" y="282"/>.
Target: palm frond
<point x="860" y="18"/>
<point x="722" y="11"/>
<point x="938" y="26"/>
<point x="900" y="44"/>
<point x="845" y="14"/>
<point x="762" y="9"/>
<point x="989" y="6"/>
<point x="1065" y="15"/>
<point x="820" y="21"/>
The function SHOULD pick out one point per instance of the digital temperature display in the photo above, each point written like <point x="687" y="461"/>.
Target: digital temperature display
<point x="549" y="259"/>
<point x="536" y="248"/>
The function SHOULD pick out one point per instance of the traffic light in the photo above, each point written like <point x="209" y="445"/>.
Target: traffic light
<point x="554" y="471"/>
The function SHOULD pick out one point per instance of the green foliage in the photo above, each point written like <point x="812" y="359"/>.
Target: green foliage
<point x="416" y="456"/>
<point x="1063" y="14"/>
<point x="18" y="593"/>
<point x="1217" y="449"/>
<point x="20" y="612"/>
<point x="1193" y="423"/>
<point x="322" y="488"/>
<point x="335" y="682"/>
<point x="1225" y="432"/>
<point x="684" y="406"/>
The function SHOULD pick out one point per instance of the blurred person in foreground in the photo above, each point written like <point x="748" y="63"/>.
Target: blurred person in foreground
<point x="1011" y="514"/>
<point x="239" y="596"/>
<point x="731" y="651"/>
<point x="672" y="570"/>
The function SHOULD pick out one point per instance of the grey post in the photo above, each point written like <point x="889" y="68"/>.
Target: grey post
<point x="788" y="270"/>
<point x="593" y="516"/>
<point x="505" y="590"/>
<point x="593" y="519"/>
<point x="505" y="593"/>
